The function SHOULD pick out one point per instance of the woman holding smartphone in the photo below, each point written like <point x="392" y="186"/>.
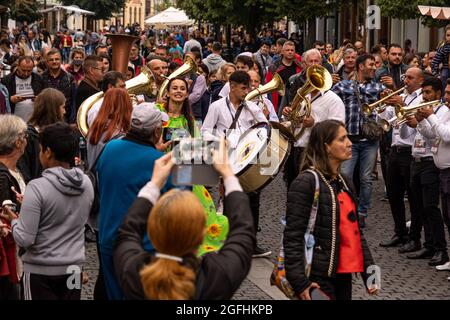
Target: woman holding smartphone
<point x="181" y="124"/>
<point x="339" y="248"/>
<point x="176" y="224"/>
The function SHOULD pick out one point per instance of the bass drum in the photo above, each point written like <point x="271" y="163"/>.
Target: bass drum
<point x="260" y="153"/>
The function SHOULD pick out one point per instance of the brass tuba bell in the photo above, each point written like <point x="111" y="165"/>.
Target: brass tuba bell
<point x="189" y="66"/>
<point x="143" y="83"/>
<point x="276" y="84"/>
<point x="317" y="78"/>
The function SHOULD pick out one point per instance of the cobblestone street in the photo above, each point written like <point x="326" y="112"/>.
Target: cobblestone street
<point x="401" y="278"/>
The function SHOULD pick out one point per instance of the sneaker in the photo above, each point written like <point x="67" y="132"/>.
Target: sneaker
<point x="443" y="267"/>
<point x="260" y="253"/>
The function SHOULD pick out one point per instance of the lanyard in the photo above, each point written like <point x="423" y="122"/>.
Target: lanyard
<point x="412" y="99"/>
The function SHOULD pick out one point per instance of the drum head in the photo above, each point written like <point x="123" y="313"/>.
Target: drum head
<point x="248" y="147"/>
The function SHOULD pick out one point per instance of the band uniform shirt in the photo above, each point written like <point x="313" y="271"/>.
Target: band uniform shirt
<point x="221" y="114"/>
<point x="325" y="106"/>
<point x="424" y="138"/>
<point x="403" y="136"/>
<point x="272" y="114"/>
<point x="440" y="127"/>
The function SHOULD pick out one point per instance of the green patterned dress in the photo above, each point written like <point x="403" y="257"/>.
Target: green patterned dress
<point x="216" y="223"/>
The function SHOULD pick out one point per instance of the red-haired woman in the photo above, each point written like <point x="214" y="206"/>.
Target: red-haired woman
<point x="113" y="121"/>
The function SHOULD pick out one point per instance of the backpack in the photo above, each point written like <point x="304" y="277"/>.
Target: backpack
<point x="278" y="276"/>
<point x="93" y="176"/>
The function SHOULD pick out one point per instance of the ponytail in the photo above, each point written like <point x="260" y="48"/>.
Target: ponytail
<point x="168" y="280"/>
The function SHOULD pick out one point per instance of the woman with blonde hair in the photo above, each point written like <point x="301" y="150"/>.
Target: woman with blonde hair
<point x="176" y="226"/>
<point x="49" y="108"/>
<point x="112" y="122"/>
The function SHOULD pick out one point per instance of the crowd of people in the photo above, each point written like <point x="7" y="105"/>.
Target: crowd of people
<point x="155" y="241"/>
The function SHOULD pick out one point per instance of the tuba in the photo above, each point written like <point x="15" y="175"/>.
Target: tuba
<point x="276" y="84"/>
<point x="317" y="78"/>
<point x="143" y="83"/>
<point x="189" y="66"/>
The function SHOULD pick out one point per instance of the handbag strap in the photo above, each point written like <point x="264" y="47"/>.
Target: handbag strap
<point x="315" y="204"/>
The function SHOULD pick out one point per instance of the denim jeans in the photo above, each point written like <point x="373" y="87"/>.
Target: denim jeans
<point x="366" y="153"/>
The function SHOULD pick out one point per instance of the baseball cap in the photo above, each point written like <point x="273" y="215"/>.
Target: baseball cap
<point x="145" y="117"/>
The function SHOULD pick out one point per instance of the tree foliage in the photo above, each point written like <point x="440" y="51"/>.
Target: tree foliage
<point x="248" y="13"/>
<point x="104" y="9"/>
<point x="23" y="10"/>
<point x="407" y="9"/>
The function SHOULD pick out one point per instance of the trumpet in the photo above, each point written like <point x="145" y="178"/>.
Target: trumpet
<point x="386" y="125"/>
<point x="378" y="106"/>
<point x="404" y="112"/>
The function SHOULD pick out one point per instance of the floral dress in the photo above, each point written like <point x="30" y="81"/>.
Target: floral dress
<point x="216" y="224"/>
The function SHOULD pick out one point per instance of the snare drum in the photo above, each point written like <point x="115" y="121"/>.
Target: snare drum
<point x="260" y="153"/>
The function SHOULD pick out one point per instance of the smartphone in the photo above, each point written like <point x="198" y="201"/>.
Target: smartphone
<point x="167" y="134"/>
<point x="193" y="164"/>
<point x="28" y="97"/>
<point x="317" y="294"/>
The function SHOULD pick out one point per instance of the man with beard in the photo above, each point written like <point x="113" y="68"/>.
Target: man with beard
<point x="391" y="74"/>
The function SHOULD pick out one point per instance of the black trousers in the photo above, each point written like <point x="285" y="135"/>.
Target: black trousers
<point x="444" y="178"/>
<point x="8" y="290"/>
<point x="100" y="293"/>
<point x="254" y="198"/>
<point x="338" y="288"/>
<point x="425" y="189"/>
<point x="292" y="166"/>
<point x="385" y="150"/>
<point x="397" y="183"/>
<point x="43" y="287"/>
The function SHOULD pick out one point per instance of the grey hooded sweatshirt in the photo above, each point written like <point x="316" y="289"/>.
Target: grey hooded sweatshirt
<point x="51" y="222"/>
<point x="214" y="61"/>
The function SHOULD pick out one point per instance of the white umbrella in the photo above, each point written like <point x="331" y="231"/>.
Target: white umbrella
<point x="170" y="17"/>
<point x="442" y="13"/>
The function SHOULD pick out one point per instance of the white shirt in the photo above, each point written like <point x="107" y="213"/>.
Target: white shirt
<point x="440" y="128"/>
<point x="326" y="106"/>
<point x="424" y="138"/>
<point x="93" y="112"/>
<point x="269" y="105"/>
<point x="403" y="136"/>
<point x="24" y="109"/>
<point x="225" y="91"/>
<point x="220" y="117"/>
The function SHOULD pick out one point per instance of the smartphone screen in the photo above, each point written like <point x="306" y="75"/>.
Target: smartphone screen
<point x="183" y="175"/>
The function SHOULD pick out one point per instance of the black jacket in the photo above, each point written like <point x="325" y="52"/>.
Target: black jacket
<point x="29" y="163"/>
<point x="10" y="82"/>
<point x="326" y="232"/>
<point x="66" y="85"/>
<point x="219" y="275"/>
<point x="211" y="94"/>
<point x="84" y="91"/>
<point x="6" y="182"/>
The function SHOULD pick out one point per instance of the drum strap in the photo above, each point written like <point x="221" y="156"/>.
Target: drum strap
<point x="238" y="113"/>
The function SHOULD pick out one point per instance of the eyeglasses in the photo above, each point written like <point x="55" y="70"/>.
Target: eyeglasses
<point x="96" y="68"/>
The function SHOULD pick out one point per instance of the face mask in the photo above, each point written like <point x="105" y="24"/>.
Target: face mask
<point x="77" y="62"/>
